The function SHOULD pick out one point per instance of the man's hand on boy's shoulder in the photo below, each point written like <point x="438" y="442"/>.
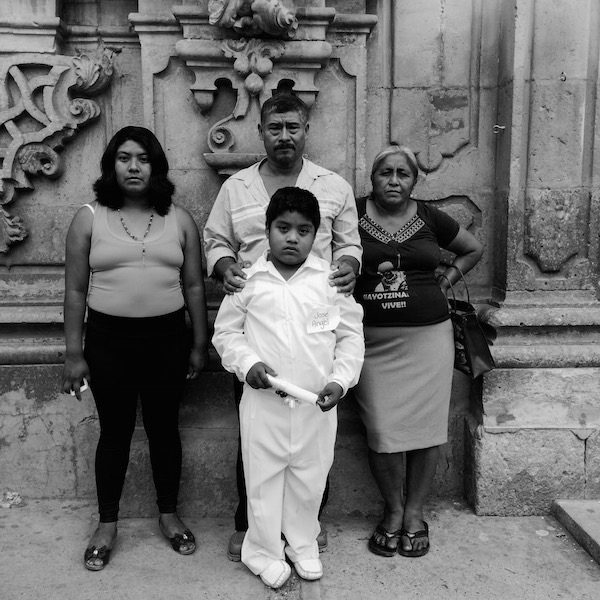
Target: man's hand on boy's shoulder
<point x="329" y="396"/>
<point x="257" y="376"/>
<point x="231" y="274"/>
<point x="344" y="273"/>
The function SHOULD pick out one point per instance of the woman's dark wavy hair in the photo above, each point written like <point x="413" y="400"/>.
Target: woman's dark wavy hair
<point x="294" y="199"/>
<point x="161" y="189"/>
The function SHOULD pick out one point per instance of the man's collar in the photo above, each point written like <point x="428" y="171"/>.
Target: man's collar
<point x="309" y="169"/>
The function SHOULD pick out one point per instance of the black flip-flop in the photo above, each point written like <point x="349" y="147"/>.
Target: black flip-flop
<point x="411" y="537"/>
<point x="384" y="549"/>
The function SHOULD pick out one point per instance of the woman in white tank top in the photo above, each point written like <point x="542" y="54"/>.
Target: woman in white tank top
<point x="133" y="261"/>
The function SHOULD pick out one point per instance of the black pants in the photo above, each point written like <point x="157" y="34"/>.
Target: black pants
<point x="130" y="358"/>
<point x="241" y="514"/>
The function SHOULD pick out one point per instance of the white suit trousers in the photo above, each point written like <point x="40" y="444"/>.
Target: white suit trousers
<point x="287" y="454"/>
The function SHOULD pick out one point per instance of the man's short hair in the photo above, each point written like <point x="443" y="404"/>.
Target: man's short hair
<point x="282" y="103"/>
<point x="294" y="199"/>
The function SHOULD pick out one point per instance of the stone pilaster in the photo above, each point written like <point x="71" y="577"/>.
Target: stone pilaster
<point x="536" y="433"/>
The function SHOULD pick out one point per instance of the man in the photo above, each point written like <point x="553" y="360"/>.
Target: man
<point x="234" y="235"/>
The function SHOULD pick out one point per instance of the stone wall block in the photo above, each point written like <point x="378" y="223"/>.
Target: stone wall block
<point x="408" y="120"/>
<point x="556" y="129"/>
<point x="208" y="482"/>
<point x="417" y="26"/>
<point x="562" y="38"/>
<point x="177" y="117"/>
<point x="335" y="113"/>
<point x="521" y="472"/>
<point x="542" y="398"/>
<point x="353" y="490"/>
<point x="441" y="38"/>
<point x="44" y="435"/>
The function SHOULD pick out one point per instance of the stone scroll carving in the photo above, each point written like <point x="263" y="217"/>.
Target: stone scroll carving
<point x="255" y="65"/>
<point x="44" y="100"/>
<point x="252" y="18"/>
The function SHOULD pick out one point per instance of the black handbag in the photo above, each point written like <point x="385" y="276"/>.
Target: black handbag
<point x="472" y="353"/>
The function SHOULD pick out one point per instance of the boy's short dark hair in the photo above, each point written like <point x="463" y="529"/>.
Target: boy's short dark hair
<point x="284" y="102"/>
<point x="297" y="200"/>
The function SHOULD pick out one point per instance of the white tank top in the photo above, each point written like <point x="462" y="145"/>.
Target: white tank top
<point x="125" y="284"/>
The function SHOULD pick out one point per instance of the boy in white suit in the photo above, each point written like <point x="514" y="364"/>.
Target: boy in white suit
<point x="288" y="322"/>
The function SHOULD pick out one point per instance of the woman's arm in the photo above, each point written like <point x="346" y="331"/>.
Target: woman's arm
<point x="77" y="274"/>
<point x="192" y="279"/>
<point x="468" y="250"/>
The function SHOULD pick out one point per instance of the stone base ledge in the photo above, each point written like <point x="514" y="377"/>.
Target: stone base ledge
<point x="520" y="472"/>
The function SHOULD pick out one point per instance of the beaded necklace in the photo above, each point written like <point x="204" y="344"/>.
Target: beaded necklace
<point x="135" y="238"/>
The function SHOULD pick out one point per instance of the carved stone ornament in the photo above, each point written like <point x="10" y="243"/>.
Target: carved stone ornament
<point x="253" y="18"/>
<point x="44" y="100"/>
<point x="256" y="65"/>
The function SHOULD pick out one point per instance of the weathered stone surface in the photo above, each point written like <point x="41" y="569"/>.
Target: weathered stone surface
<point x="592" y="465"/>
<point x="417" y="25"/>
<point x="523" y="471"/>
<point x="553" y="221"/>
<point x="559" y="41"/>
<point x="557" y="134"/>
<point x="46" y="437"/>
<point x="542" y="398"/>
<point x="48" y="441"/>
<point x="208" y="483"/>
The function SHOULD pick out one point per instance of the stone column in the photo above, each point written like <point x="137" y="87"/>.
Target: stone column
<point x="535" y="437"/>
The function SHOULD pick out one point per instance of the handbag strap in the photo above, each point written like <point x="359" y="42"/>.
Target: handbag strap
<point x="462" y="278"/>
<point x="451" y="288"/>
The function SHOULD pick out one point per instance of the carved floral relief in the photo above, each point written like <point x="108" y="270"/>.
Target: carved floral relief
<point x="44" y="100"/>
<point x="253" y="18"/>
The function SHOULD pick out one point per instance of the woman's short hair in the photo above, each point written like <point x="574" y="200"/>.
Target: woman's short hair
<point x="294" y="199"/>
<point x="394" y="148"/>
<point x="161" y="189"/>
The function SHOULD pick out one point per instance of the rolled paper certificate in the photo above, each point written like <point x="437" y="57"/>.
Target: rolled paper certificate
<point x="292" y="390"/>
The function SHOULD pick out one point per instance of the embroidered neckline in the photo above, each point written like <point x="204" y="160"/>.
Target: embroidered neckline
<point x="410" y="228"/>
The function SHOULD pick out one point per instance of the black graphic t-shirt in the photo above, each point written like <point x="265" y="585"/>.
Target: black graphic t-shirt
<point x="397" y="285"/>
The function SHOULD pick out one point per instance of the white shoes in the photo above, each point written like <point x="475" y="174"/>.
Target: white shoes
<point x="309" y="569"/>
<point x="276" y="574"/>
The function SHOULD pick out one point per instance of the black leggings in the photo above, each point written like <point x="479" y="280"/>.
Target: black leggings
<point x="130" y="358"/>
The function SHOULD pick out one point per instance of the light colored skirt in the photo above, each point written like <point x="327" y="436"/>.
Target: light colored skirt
<point x="404" y="390"/>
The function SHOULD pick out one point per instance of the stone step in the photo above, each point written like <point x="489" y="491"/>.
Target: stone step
<point x="581" y="518"/>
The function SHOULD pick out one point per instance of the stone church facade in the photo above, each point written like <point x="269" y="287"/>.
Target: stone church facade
<point x="500" y="101"/>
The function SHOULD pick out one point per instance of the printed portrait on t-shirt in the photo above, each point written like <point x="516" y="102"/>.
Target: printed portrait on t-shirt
<point x="392" y="280"/>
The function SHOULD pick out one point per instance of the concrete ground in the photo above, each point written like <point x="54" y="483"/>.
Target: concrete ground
<point x="525" y="558"/>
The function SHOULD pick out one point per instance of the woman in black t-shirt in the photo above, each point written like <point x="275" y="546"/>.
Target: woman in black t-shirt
<point x="404" y="390"/>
